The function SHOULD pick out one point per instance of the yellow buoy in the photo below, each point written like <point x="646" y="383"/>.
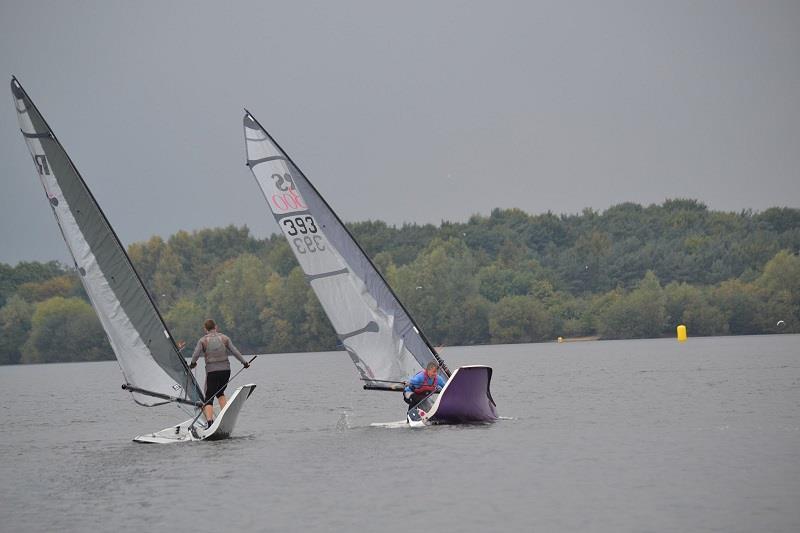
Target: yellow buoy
<point x="561" y="339"/>
<point x="681" y="333"/>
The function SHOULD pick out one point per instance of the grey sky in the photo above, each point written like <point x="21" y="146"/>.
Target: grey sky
<point x="401" y="111"/>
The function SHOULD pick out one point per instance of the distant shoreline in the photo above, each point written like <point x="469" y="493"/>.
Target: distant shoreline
<point x="555" y="341"/>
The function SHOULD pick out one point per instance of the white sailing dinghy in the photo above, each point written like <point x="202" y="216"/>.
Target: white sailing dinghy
<point x="384" y="342"/>
<point x="155" y="373"/>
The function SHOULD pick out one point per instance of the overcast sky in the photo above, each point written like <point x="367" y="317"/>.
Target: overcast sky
<point x="400" y="111"/>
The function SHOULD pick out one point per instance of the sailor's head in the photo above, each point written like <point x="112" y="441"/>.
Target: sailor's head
<point x="431" y="369"/>
<point x="210" y="325"/>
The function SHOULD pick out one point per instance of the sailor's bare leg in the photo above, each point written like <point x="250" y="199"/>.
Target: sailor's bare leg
<point x="208" y="411"/>
<point x="222" y="402"/>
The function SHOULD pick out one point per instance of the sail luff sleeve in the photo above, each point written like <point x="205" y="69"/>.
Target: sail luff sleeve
<point x="135" y="329"/>
<point x="373" y="326"/>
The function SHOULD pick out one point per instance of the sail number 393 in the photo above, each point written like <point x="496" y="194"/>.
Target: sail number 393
<point x="305" y="233"/>
<point x="301" y="224"/>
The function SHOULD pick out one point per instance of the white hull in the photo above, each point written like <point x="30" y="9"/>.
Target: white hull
<point x="221" y="428"/>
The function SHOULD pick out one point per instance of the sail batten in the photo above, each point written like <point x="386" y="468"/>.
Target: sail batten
<point x="135" y="329"/>
<point x="376" y="330"/>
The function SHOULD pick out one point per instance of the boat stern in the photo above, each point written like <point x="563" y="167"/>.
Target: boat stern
<point x="465" y="398"/>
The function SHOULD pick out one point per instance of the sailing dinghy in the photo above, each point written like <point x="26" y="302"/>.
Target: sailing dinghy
<point x="384" y="342"/>
<point x="155" y="373"/>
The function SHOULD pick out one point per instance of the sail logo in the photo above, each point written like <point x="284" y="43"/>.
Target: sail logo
<point x="41" y="164"/>
<point x="287" y="201"/>
<point x="286" y="198"/>
<point x="283" y="182"/>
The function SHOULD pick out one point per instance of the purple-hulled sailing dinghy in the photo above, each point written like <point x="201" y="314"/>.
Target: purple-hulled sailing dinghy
<point x="384" y="342"/>
<point x="465" y="399"/>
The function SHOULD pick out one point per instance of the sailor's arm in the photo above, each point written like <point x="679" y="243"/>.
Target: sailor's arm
<point x="196" y="355"/>
<point x="413" y="383"/>
<point x="235" y="351"/>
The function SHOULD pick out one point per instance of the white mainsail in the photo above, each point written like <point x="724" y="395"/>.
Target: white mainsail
<point x="382" y="339"/>
<point x="150" y="362"/>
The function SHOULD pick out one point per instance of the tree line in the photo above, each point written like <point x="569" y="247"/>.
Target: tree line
<point x="628" y="272"/>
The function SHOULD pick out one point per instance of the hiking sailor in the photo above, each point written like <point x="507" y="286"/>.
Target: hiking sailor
<point x="215" y="347"/>
<point x="424" y="383"/>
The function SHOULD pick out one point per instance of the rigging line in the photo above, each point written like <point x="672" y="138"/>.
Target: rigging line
<point x="137" y="402"/>
<point x="416" y="405"/>
<point x="190" y="375"/>
<point x="154" y="394"/>
<point x="185" y="409"/>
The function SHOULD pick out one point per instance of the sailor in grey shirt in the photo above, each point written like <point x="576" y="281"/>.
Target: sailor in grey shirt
<point x="216" y="348"/>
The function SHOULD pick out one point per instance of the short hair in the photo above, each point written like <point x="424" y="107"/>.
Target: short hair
<point x="432" y="366"/>
<point x="209" y="325"/>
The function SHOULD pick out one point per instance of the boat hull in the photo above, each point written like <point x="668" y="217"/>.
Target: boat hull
<point x="222" y="428"/>
<point x="466" y="398"/>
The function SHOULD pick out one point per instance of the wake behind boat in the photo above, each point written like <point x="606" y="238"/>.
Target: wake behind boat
<point x="155" y="373"/>
<point x="383" y="341"/>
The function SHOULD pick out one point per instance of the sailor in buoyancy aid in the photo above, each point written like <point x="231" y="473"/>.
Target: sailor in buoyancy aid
<point x="215" y="347"/>
<point x="423" y="383"/>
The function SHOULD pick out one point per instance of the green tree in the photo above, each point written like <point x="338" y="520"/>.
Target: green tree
<point x="25" y="272"/>
<point x="15" y="325"/>
<point x="571" y="315"/>
<point x="782" y="273"/>
<point x="592" y="250"/>
<point x="519" y="319"/>
<point x="436" y="286"/>
<point x="496" y="281"/>
<point x="780" y="283"/>
<point x="688" y="305"/>
<point x="65" y="285"/>
<point x="284" y="316"/>
<point x="741" y="304"/>
<point x="65" y="329"/>
<point x="639" y="314"/>
<point x="185" y="320"/>
<point x="145" y="256"/>
<point x="383" y="262"/>
<point x="705" y="319"/>
<point x="780" y="219"/>
<point x="316" y="328"/>
<point x="281" y="258"/>
<point x="238" y="297"/>
<point x="165" y="279"/>
<point x="470" y="324"/>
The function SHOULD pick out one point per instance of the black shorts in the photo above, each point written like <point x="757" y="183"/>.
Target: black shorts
<point x="216" y="381"/>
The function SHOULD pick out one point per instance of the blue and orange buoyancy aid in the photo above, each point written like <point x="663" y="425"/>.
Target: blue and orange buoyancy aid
<point x="426" y="388"/>
<point x="422" y="384"/>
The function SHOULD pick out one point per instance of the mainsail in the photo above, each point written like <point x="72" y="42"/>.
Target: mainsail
<point x="150" y="362"/>
<point x="376" y="330"/>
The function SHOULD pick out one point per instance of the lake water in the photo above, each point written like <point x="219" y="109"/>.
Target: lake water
<point x="612" y="436"/>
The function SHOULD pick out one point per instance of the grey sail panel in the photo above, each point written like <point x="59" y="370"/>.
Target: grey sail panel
<point x="374" y="327"/>
<point x="141" y="341"/>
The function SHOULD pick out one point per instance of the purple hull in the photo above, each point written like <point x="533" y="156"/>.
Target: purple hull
<point x="465" y="398"/>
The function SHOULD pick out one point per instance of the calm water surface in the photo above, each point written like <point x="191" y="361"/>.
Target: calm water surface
<point x="604" y="436"/>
